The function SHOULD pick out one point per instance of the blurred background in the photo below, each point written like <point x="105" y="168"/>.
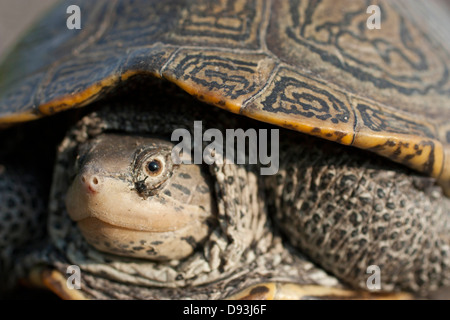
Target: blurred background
<point x="16" y="17"/>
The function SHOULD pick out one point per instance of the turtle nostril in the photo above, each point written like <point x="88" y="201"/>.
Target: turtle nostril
<point x="92" y="183"/>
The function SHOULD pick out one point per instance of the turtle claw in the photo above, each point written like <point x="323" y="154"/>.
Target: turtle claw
<point x="53" y="280"/>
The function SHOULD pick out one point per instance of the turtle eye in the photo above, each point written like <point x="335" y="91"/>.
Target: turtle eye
<point x="151" y="169"/>
<point x="154" y="167"/>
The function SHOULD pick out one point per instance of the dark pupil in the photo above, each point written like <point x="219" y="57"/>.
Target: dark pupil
<point x="153" y="166"/>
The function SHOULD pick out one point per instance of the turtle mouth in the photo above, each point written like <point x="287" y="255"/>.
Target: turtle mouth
<point x="111" y="200"/>
<point x="115" y="219"/>
<point x="122" y="241"/>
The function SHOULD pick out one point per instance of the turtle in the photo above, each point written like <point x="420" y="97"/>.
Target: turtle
<point x="90" y="187"/>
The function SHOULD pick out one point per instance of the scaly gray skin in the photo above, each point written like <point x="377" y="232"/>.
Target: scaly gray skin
<point x="340" y="206"/>
<point x="22" y="215"/>
<point x="348" y="209"/>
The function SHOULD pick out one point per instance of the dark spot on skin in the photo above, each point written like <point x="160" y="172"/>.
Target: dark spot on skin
<point x="140" y="186"/>
<point x="337" y="217"/>
<point x="398" y="245"/>
<point x="259" y="290"/>
<point x="179" y="277"/>
<point x="336" y="258"/>
<point x="349" y="255"/>
<point x="390" y="205"/>
<point x="191" y="241"/>
<point x="230" y="180"/>
<point x="155" y="243"/>
<point x="354" y="219"/>
<point x="182" y="188"/>
<point x="305" y="206"/>
<point x="221" y="103"/>
<point x="184" y="175"/>
<point x="319" y="241"/>
<point x="143" y="242"/>
<point x="391" y="143"/>
<point x="151" y="252"/>
<point x="138" y="248"/>
<point x="202" y="189"/>
<point x="316" y="130"/>
<point x="167" y="193"/>
<point x="161" y="200"/>
<point x="316" y="218"/>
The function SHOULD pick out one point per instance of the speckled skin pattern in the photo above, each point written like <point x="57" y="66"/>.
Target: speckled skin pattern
<point x="22" y="216"/>
<point x="348" y="210"/>
<point x="343" y="208"/>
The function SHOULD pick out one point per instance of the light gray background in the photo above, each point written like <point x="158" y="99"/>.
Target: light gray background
<point x="16" y="16"/>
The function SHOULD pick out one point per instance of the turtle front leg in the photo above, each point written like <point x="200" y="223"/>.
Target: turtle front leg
<point x="22" y="218"/>
<point x="348" y="209"/>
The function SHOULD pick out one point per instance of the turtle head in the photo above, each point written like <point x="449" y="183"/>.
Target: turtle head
<point x="129" y="198"/>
